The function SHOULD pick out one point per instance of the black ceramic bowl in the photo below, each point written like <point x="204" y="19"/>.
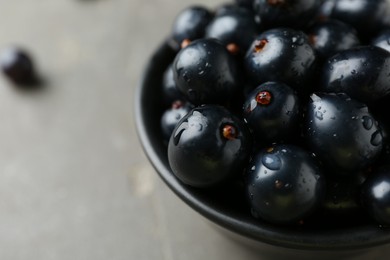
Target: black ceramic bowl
<point x="226" y="208"/>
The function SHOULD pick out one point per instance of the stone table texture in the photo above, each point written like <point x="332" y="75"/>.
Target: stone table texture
<point x="74" y="182"/>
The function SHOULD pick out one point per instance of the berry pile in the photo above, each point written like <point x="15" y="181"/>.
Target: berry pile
<point x="288" y="99"/>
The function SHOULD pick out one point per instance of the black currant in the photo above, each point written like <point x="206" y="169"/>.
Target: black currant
<point x="190" y="24"/>
<point x="281" y="13"/>
<point x="284" y="184"/>
<point x="382" y="40"/>
<point x="342" y="132"/>
<point x="272" y="112"/>
<point x="172" y="116"/>
<point x="282" y="55"/>
<point x="18" y="66"/>
<point x="205" y="72"/>
<point x="208" y="147"/>
<point x="331" y="36"/>
<point x="235" y="26"/>
<point x="362" y="72"/>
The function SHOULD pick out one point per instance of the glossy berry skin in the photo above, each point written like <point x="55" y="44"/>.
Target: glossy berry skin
<point x="342" y="132"/>
<point x="375" y="196"/>
<point x="284" y="184"/>
<point x="272" y="112"/>
<point x="172" y="116"/>
<point x="367" y="16"/>
<point x="331" y="36"/>
<point x="169" y="90"/>
<point x="17" y="65"/>
<point x="362" y="72"/>
<point x="281" y="54"/>
<point x="190" y="24"/>
<point x="286" y="13"/>
<point x="382" y="40"/>
<point x="234" y="26"/>
<point x="208" y="147"/>
<point x="205" y="72"/>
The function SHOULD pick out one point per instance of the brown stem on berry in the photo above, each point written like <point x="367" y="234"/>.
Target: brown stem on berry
<point x="270" y="149"/>
<point x="177" y="104"/>
<point x="229" y="132"/>
<point x="185" y="43"/>
<point x="264" y="98"/>
<point x="233" y="48"/>
<point x="260" y="44"/>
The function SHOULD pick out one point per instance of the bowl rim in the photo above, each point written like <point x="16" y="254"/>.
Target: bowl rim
<point x="344" y="239"/>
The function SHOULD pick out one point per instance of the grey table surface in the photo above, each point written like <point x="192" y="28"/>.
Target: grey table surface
<point x="74" y="181"/>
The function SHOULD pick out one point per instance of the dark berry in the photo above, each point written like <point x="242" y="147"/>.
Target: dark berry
<point x="342" y="132"/>
<point x="331" y="36"/>
<point x="190" y="24"/>
<point x="208" y="146"/>
<point x="205" y="72"/>
<point x="172" y="116"/>
<point x="382" y="40"/>
<point x="18" y="66"/>
<point x="283" y="55"/>
<point x="284" y="184"/>
<point x="283" y="13"/>
<point x="362" y="72"/>
<point x="375" y="196"/>
<point x="169" y="89"/>
<point x="368" y="17"/>
<point x="272" y="112"/>
<point x="234" y="26"/>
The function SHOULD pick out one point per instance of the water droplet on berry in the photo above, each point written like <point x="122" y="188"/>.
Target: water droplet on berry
<point x="376" y="138"/>
<point x="319" y="115"/>
<point x="272" y="162"/>
<point x="367" y="122"/>
<point x="179" y="131"/>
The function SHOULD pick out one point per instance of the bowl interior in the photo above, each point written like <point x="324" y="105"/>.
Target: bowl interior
<point x="226" y="206"/>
